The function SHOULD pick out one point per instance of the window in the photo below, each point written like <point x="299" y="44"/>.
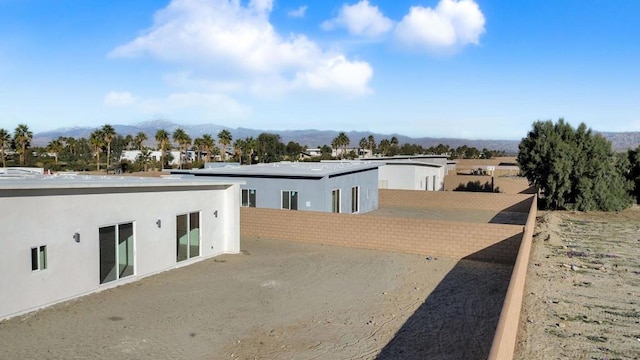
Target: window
<point x="116" y="252"/>
<point x="249" y="197"/>
<point x="335" y="200"/>
<point x="39" y="258"/>
<point x="187" y="236"/>
<point x="355" y="199"/>
<point x="290" y="200"/>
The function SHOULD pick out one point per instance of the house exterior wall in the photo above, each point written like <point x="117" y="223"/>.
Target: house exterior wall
<point x="315" y="194"/>
<point x="51" y="217"/>
<point x="412" y="177"/>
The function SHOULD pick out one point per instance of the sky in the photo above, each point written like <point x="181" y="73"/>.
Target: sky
<point x="475" y="69"/>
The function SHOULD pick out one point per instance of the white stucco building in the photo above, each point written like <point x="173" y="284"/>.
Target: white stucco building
<point x="420" y="172"/>
<point x="347" y="187"/>
<point x="411" y="175"/>
<point x="66" y="236"/>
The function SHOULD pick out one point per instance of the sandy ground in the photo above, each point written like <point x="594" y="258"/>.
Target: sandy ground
<point x="582" y="296"/>
<point x="278" y="300"/>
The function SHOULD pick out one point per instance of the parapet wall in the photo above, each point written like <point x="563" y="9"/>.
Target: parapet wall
<point x="457" y="240"/>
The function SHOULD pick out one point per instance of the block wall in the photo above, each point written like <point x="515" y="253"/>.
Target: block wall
<point x="487" y="242"/>
<point x="504" y="341"/>
<point x="455" y="200"/>
<point x="505" y="185"/>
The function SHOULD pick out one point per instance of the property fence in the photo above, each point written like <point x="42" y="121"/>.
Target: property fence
<point x="504" y="340"/>
<point x="479" y="183"/>
<point x="478" y="241"/>
<point x="458" y="240"/>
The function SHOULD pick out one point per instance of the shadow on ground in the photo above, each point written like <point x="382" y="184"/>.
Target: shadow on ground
<point x="515" y="214"/>
<point x="459" y="318"/>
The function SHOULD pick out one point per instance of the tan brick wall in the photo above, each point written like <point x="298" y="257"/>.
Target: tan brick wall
<point x="454" y="200"/>
<point x="488" y="242"/>
<point x="504" y="341"/>
<point x="506" y="185"/>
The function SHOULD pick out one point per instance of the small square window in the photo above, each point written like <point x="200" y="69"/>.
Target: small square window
<point x="39" y="258"/>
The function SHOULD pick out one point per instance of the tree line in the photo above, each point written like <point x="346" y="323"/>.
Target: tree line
<point x="574" y="168"/>
<point x="103" y="148"/>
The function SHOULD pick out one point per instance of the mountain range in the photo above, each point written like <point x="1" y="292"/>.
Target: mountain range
<point x="310" y="137"/>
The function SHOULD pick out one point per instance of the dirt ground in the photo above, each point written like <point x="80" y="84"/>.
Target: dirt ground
<point x="582" y="295"/>
<point x="278" y="300"/>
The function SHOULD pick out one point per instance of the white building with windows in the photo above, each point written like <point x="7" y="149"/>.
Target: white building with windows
<point x="328" y="187"/>
<point x="412" y="175"/>
<point x="419" y="172"/>
<point x="67" y="236"/>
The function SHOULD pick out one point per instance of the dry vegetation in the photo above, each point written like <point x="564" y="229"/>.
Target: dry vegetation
<point x="582" y="298"/>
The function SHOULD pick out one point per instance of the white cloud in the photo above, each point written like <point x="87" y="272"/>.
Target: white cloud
<point x="360" y="19"/>
<point x="204" y="106"/>
<point x="225" y="36"/>
<point x="298" y="13"/>
<point x="337" y="73"/>
<point x="449" y="26"/>
<point x="119" y="99"/>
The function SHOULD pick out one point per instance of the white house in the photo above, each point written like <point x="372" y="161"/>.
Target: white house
<point x="411" y="175"/>
<point x="66" y="236"/>
<point x="132" y="155"/>
<point x="346" y="187"/>
<point x="407" y="172"/>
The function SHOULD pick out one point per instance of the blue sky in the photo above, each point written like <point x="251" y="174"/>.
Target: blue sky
<point x="438" y="68"/>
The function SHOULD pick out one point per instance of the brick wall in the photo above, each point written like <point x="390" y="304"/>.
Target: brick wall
<point x="504" y="341"/>
<point x="507" y="185"/>
<point x="488" y="242"/>
<point x="454" y="200"/>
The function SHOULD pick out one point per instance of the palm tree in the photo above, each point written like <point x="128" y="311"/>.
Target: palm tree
<point x="341" y="141"/>
<point x="70" y="143"/>
<point x="183" y="140"/>
<point x="372" y="144"/>
<point x="384" y="146"/>
<point x="22" y="137"/>
<point x="144" y="158"/>
<point x="364" y="143"/>
<point x="208" y="144"/>
<point x="238" y="149"/>
<point x="250" y="148"/>
<point x="128" y="142"/>
<point x="139" y="140"/>
<point x="109" y="133"/>
<point x="97" y="140"/>
<point x="162" y="138"/>
<point x="198" y="146"/>
<point x="55" y="146"/>
<point x="224" y="138"/>
<point x="5" y="142"/>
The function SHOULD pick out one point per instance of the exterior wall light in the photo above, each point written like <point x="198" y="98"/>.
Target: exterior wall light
<point x="76" y="237"/>
<point x="215" y="213"/>
<point x="159" y="223"/>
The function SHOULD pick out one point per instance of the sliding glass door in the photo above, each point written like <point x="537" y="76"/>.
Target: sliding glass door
<point x="116" y="252"/>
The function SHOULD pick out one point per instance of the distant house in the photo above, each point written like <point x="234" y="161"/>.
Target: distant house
<point x="411" y="175"/>
<point x="65" y="236"/>
<point x="132" y="156"/>
<point x="425" y="172"/>
<point x="327" y="187"/>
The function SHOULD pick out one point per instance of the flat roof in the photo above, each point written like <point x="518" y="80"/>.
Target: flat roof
<point x="414" y="163"/>
<point x="76" y="181"/>
<point x="313" y="170"/>
<point x="391" y="161"/>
